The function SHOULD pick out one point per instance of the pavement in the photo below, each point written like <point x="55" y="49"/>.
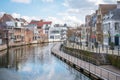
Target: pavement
<point x="111" y="68"/>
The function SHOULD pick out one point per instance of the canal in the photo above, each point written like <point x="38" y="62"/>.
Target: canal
<point x="35" y="62"/>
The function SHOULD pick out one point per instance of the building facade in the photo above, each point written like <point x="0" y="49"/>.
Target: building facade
<point x="102" y="10"/>
<point x="111" y="26"/>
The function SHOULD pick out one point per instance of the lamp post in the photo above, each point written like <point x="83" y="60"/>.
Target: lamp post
<point x="118" y="51"/>
<point x="7" y="44"/>
<point x="99" y="47"/>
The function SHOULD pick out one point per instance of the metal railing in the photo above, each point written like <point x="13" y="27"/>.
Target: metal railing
<point x="99" y="49"/>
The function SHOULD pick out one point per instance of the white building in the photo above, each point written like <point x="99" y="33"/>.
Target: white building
<point x="57" y="33"/>
<point x="111" y="26"/>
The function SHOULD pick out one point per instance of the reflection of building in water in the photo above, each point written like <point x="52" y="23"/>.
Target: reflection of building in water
<point x="13" y="58"/>
<point x="18" y="56"/>
<point x="3" y="60"/>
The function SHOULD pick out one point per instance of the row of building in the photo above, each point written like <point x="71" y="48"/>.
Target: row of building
<point x="103" y="26"/>
<point x="18" y="30"/>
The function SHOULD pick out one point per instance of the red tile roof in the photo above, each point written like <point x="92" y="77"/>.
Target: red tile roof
<point x="40" y="23"/>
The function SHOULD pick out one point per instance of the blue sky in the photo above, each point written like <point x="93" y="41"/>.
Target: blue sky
<point x="32" y="8"/>
<point x="59" y="11"/>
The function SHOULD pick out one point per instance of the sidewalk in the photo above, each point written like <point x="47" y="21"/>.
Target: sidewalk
<point x="111" y="68"/>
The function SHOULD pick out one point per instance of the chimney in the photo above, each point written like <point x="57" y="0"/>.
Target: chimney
<point x="118" y="4"/>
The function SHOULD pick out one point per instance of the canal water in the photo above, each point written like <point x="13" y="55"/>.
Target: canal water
<point x="35" y="62"/>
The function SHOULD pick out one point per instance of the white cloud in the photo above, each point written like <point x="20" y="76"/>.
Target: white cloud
<point x="15" y="15"/>
<point x="75" y="16"/>
<point x="22" y="1"/>
<point x="69" y="20"/>
<point x="47" y="0"/>
<point x="74" y="11"/>
<point x="96" y="2"/>
<point x="1" y="14"/>
<point x="55" y="20"/>
<point x="30" y="18"/>
<point x="78" y="9"/>
<point x="72" y="20"/>
<point x="77" y="4"/>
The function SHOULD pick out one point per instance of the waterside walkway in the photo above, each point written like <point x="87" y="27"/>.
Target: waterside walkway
<point x="92" y="69"/>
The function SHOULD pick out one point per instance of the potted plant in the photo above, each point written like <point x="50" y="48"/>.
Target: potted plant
<point x="112" y="45"/>
<point x="86" y="43"/>
<point x="96" y="44"/>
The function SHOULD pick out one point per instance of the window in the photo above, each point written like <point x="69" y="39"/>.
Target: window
<point x="51" y="37"/>
<point x="39" y="27"/>
<point x="16" y="24"/>
<point x="54" y="31"/>
<point x="46" y="32"/>
<point x="109" y="26"/>
<point x="116" y="26"/>
<point x="57" y="37"/>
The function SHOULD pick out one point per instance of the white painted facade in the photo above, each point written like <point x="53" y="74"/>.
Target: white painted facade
<point x="57" y="33"/>
<point x="46" y="28"/>
<point x="110" y="29"/>
<point x="10" y="23"/>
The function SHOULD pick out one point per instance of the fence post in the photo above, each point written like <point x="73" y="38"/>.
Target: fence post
<point x="108" y="75"/>
<point x="101" y="72"/>
<point x="118" y="50"/>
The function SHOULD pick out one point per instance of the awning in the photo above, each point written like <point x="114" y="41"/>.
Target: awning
<point x="118" y="35"/>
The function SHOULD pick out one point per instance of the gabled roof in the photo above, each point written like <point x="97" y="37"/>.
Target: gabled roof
<point x="40" y="23"/>
<point x="105" y="8"/>
<point x="6" y="17"/>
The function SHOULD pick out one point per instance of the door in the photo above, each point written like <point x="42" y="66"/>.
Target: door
<point x="116" y="40"/>
<point x="109" y="40"/>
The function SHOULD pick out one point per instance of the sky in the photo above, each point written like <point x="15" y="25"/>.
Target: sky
<point x="71" y="12"/>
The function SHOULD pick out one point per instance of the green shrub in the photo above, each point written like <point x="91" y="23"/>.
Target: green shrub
<point x="112" y="46"/>
<point x="96" y="44"/>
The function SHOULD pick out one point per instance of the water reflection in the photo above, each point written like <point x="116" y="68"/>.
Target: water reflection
<point x="35" y="62"/>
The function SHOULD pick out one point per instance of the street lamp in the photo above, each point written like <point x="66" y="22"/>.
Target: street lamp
<point x="7" y="44"/>
<point x="7" y="39"/>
